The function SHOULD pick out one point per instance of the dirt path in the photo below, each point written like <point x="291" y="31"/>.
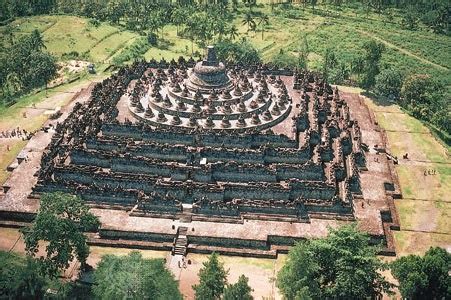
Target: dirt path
<point x="404" y="51"/>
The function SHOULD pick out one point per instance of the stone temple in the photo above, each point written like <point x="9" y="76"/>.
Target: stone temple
<point x="242" y="160"/>
<point x="208" y="99"/>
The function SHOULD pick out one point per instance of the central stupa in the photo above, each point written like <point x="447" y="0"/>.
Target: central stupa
<point x="209" y="74"/>
<point x="210" y="97"/>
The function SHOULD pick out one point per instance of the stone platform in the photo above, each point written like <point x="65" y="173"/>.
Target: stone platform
<point x="240" y="190"/>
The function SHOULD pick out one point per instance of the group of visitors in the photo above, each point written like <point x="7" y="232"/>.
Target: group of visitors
<point x="15" y="133"/>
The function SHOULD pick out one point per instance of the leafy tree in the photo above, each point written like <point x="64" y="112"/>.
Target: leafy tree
<point x="373" y="54"/>
<point x="238" y="291"/>
<point x="341" y="266"/>
<point x="241" y="52"/>
<point x="409" y="20"/>
<point x="424" y="277"/>
<point x="61" y="221"/>
<point x="213" y="278"/>
<point x="32" y="66"/>
<point x="179" y="16"/>
<point x="132" y="277"/>
<point x="388" y="83"/>
<point x="20" y="278"/>
<point x="298" y="275"/>
<point x="250" y="4"/>
<point x="425" y="98"/>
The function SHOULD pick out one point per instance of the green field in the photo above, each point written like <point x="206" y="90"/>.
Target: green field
<point x="346" y="31"/>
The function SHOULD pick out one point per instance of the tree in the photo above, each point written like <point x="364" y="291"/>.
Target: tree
<point x="213" y="278"/>
<point x="233" y="32"/>
<point x="61" y="221"/>
<point x="263" y="20"/>
<point x="330" y="62"/>
<point x="241" y="52"/>
<point x="424" y="277"/>
<point x="372" y="59"/>
<point x="238" y="291"/>
<point x="249" y="21"/>
<point x="36" y="41"/>
<point x="250" y="4"/>
<point x="132" y="277"/>
<point x="178" y="17"/>
<point x="409" y="20"/>
<point x="388" y="83"/>
<point x="303" y="53"/>
<point x="341" y="266"/>
<point x="313" y="3"/>
<point x="297" y="276"/>
<point x="20" y="278"/>
<point x="425" y="98"/>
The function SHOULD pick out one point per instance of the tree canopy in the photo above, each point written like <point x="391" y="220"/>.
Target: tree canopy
<point x="341" y="266"/>
<point x="239" y="290"/>
<point x="132" y="277"/>
<point x="426" y="99"/>
<point x="61" y="221"/>
<point x="20" y="278"/>
<point x="425" y="277"/>
<point x="31" y="67"/>
<point x="213" y="278"/>
<point x="241" y="52"/>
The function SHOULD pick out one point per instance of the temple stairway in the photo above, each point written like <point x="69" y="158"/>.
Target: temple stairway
<point x="181" y="241"/>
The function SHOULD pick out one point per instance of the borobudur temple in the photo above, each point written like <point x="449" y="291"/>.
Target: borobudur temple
<point x="203" y="156"/>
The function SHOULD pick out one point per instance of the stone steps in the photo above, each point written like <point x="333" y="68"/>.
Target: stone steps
<point x="180" y="242"/>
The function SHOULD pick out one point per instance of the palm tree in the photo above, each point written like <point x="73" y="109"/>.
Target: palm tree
<point x="249" y="21"/>
<point x="233" y="32"/>
<point x="263" y="21"/>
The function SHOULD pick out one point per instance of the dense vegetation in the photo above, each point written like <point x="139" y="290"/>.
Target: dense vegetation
<point x="424" y="277"/>
<point x="132" y="277"/>
<point x="146" y="14"/>
<point x="24" y="65"/>
<point x="341" y="266"/>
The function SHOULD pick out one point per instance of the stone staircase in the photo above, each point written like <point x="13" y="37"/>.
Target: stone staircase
<point x="180" y="242"/>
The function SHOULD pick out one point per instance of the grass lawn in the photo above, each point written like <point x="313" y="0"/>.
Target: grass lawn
<point x="425" y="209"/>
<point x="111" y="45"/>
<point x="64" y="34"/>
<point x="96" y="253"/>
<point x="171" y="46"/>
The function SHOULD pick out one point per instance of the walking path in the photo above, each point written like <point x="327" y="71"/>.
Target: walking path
<point x="404" y="51"/>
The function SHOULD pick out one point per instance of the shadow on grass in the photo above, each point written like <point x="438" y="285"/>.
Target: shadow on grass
<point x="381" y="101"/>
<point x="164" y="44"/>
<point x="441" y="136"/>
